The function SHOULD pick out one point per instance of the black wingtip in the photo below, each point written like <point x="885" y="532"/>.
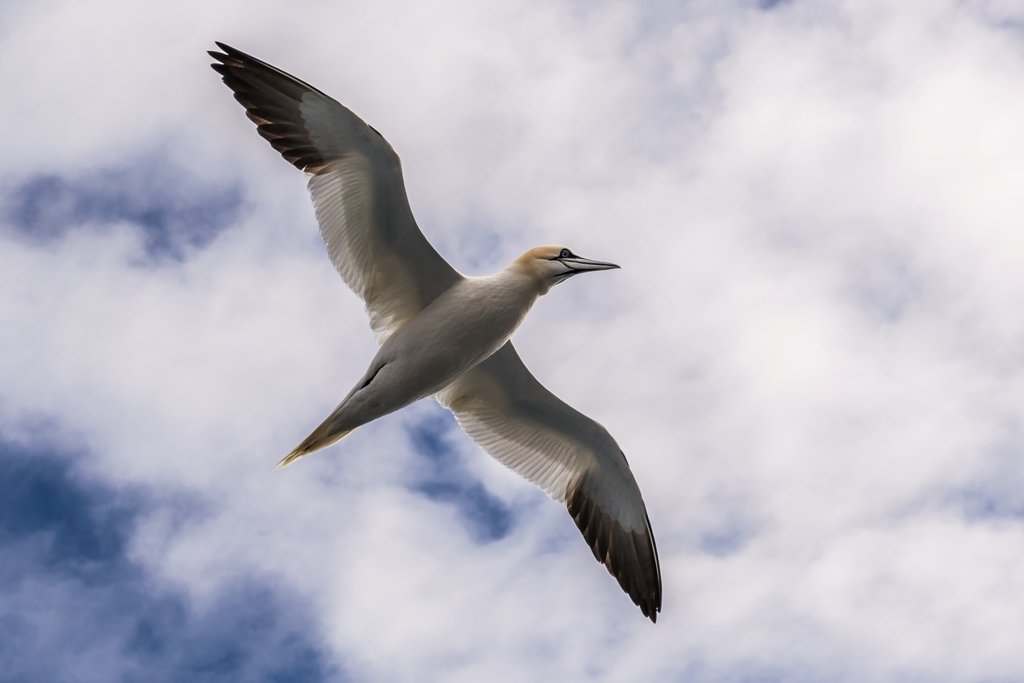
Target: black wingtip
<point x="229" y="54"/>
<point x="228" y="50"/>
<point x="221" y="58"/>
<point x="629" y="556"/>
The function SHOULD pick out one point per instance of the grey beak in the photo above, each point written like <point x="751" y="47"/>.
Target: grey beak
<point x="579" y="263"/>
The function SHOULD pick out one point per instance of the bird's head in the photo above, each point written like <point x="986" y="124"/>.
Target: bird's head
<point x="552" y="264"/>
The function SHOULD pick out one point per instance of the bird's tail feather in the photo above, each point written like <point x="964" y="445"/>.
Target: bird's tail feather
<point x="322" y="437"/>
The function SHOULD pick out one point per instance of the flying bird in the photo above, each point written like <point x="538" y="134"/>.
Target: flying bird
<point x="442" y="333"/>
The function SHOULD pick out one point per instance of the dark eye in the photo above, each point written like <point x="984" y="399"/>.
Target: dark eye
<point x="565" y="253"/>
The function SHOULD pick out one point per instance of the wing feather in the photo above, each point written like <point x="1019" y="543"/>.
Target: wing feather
<point x="530" y="430"/>
<point x="355" y="180"/>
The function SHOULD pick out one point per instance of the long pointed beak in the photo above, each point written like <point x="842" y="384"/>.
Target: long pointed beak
<point x="579" y="263"/>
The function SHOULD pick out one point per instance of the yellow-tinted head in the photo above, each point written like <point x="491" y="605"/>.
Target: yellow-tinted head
<point x="551" y="264"/>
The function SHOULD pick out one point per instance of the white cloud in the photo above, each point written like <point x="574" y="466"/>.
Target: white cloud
<point x="811" y="355"/>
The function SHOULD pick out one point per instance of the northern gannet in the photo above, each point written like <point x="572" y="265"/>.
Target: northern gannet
<point x="442" y="333"/>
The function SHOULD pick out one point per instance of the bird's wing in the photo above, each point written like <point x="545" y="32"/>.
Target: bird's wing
<point x="355" y="179"/>
<point x="513" y="417"/>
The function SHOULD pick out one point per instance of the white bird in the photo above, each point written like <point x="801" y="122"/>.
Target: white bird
<point x="442" y="333"/>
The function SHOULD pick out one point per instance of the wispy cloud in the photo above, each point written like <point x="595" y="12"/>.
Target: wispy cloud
<point x="76" y="604"/>
<point x="173" y="210"/>
<point x="445" y="480"/>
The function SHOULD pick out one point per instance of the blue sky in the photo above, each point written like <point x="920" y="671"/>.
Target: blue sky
<point x="811" y="356"/>
<point x="77" y="604"/>
<point x="173" y="210"/>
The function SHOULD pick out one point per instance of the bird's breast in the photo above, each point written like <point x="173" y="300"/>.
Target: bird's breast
<point x="459" y="329"/>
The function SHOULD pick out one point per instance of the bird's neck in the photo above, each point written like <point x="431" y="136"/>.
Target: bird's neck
<point x="523" y="273"/>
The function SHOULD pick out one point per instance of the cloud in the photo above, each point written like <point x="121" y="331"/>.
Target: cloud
<point x="173" y="210"/>
<point x="811" y="355"/>
<point x="487" y="517"/>
<point x="78" y="606"/>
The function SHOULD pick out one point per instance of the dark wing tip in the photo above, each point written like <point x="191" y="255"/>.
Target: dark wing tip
<point x="630" y="556"/>
<point x="271" y="97"/>
<point x="228" y="52"/>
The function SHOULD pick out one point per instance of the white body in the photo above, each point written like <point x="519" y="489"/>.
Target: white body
<point x="455" y="332"/>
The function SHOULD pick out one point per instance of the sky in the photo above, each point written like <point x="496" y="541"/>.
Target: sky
<point x="813" y="355"/>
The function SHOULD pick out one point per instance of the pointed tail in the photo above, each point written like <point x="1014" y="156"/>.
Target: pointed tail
<point x="322" y="437"/>
<point x="350" y="413"/>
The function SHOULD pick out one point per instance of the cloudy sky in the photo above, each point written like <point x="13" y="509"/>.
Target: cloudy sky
<point x="813" y="355"/>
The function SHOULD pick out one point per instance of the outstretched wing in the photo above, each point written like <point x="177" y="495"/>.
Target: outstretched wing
<point x="355" y="179"/>
<point x="513" y="417"/>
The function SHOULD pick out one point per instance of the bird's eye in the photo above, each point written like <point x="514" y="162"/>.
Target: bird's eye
<point x="565" y="253"/>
